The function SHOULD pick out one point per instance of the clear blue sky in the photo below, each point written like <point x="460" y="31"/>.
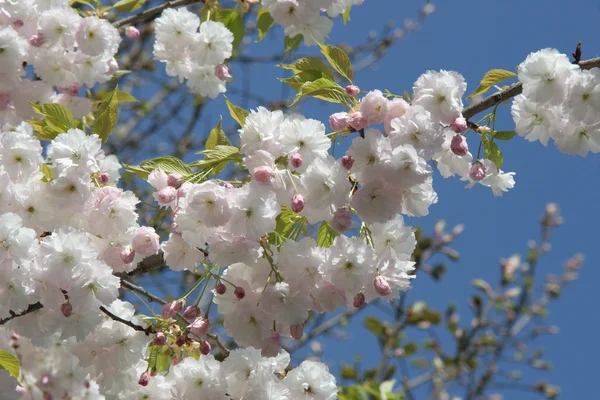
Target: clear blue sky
<point x="472" y="37"/>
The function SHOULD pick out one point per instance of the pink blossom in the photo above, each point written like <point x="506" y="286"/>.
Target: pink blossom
<point x="459" y="124"/>
<point x="352" y="90"/>
<point x="382" y="287"/>
<point x="296" y="160"/>
<point x="297" y="203"/>
<point x="263" y="175"/>
<point x="348" y="162"/>
<point x="477" y="171"/>
<point x="459" y="145"/>
<point x="339" y="121"/>
<point x="199" y="327"/>
<point x="358" y="121"/>
<point x="342" y="220"/>
<point x="132" y="32"/>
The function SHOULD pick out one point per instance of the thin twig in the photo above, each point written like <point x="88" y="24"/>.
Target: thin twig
<point x="30" y="309"/>
<point x="512" y="91"/>
<point x="130" y="324"/>
<point x="150" y="13"/>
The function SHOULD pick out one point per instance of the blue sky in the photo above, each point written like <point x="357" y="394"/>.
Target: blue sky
<point x="472" y="37"/>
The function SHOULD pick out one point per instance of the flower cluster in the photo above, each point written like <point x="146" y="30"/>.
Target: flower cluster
<point x="194" y="51"/>
<point x="303" y="17"/>
<point x="64" y="49"/>
<point x="559" y="101"/>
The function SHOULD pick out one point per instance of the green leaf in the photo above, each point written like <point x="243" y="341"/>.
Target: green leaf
<point x="490" y="79"/>
<point x="503" y="135"/>
<point x="410" y="348"/>
<point x="326" y="235"/>
<point x="9" y="363"/>
<point x="168" y="164"/>
<point x="323" y="89"/>
<point x="290" y="44"/>
<point x="493" y="153"/>
<point x="348" y="372"/>
<point x="358" y="393"/>
<point x="107" y="116"/>
<point x="386" y="388"/>
<point x="374" y="325"/>
<point x="163" y="360"/>
<point x="237" y="113"/>
<point x="232" y="21"/>
<point x="339" y="60"/>
<point x="346" y="15"/>
<point x="122" y="97"/>
<point x="217" y="137"/>
<point x="309" y="64"/>
<point x="129" y="5"/>
<point x="48" y="173"/>
<point x="297" y="81"/>
<point x="215" y="160"/>
<point x="264" y="22"/>
<point x="57" y="119"/>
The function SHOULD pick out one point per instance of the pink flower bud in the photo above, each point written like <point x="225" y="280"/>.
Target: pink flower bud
<point x="18" y="23"/>
<point x="66" y="309"/>
<point x="171" y="309"/>
<point x="175" y="361"/>
<point x="127" y="255"/>
<point x="174" y="180"/>
<point x="296" y="160"/>
<point x="221" y="289"/>
<point x="144" y="380"/>
<point x="359" y="300"/>
<point x="477" y="171"/>
<point x="222" y="72"/>
<point x="192" y="312"/>
<point x="205" y="347"/>
<point x="347" y="162"/>
<point x="263" y="175"/>
<point x="459" y="125"/>
<point x="4" y="101"/>
<point x="459" y="145"/>
<point x="226" y="185"/>
<point x="297" y="203"/>
<point x="296" y="331"/>
<point x="180" y="341"/>
<point x="358" y="121"/>
<point x="271" y="345"/>
<point x="160" y="339"/>
<point x="339" y="121"/>
<point x="146" y="241"/>
<point x="382" y="287"/>
<point x="239" y="292"/>
<point x="37" y="40"/>
<point x="71" y="90"/>
<point x="113" y="66"/>
<point x="167" y="195"/>
<point x="103" y="178"/>
<point x="45" y="382"/>
<point x="342" y="220"/>
<point x="352" y="90"/>
<point x="199" y="327"/>
<point x="132" y="32"/>
<point x="183" y="189"/>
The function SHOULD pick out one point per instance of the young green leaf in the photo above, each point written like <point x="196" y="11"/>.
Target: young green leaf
<point x="493" y="153"/>
<point x="490" y="79"/>
<point x="232" y="21"/>
<point x="307" y="64"/>
<point x="339" y="60"/>
<point x="290" y="44"/>
<point x="129" y="5"/>
<point x="297" y="81"/>
<point x="168" y="164"/>
<point x="503" y="135"/>
<point x="326" y="234"/>
<point x="107" y="116"/>
<point x="57" y="119"/>
<point x="237" y="113"/>
<point x="346" y="15"/>
<point x="323" y="89"/>
<point x="217" y="137"/>
<point x="9" y="363"/>
<point x="264" y="22"/>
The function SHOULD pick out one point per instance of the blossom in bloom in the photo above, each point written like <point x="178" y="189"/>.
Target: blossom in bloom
<point x="440" y="93"/>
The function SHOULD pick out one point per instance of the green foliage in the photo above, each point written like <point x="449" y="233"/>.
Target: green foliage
<point x="290" y="44"/>
<point x="122" y="97"/>
<point x="503" y="135"/>
<point x="339" y="60"/>
<point x="323" y="89"/>
<point x="9" y="363"/>
<point x="48" y="173"/>
<point x="232" y="21"/>
<point x="215" y="160"/>
<point x="237" y="113"/>
<point x="217" y="137"/>
<point x="309" y="64"/>
<point x="374" y="325"/>
<point x="490" y="79"/>
<point x="57" y="119"/>
<point x="492" y="152"/>
<point x="289" y="225"/>
<point x="168" y="164"/>
<point x="326" y="234"/>
<point x="107" y="116"/>
<point x="129" y="5"/>
<point x="346" y="15"/>
<point x="264" y="22"/>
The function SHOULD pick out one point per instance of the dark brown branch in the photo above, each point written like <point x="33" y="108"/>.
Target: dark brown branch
<point x="152" y="12"/>
<point x="30" y="309"/>
<point x="512" y="91"/>
<point x="130" y="324"/>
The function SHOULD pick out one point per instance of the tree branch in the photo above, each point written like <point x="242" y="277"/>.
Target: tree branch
<point x="150" y="13"/>
<point x="30" y="309"/>
<point x="130" y="324"/>
<point x="512" y="91"/>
